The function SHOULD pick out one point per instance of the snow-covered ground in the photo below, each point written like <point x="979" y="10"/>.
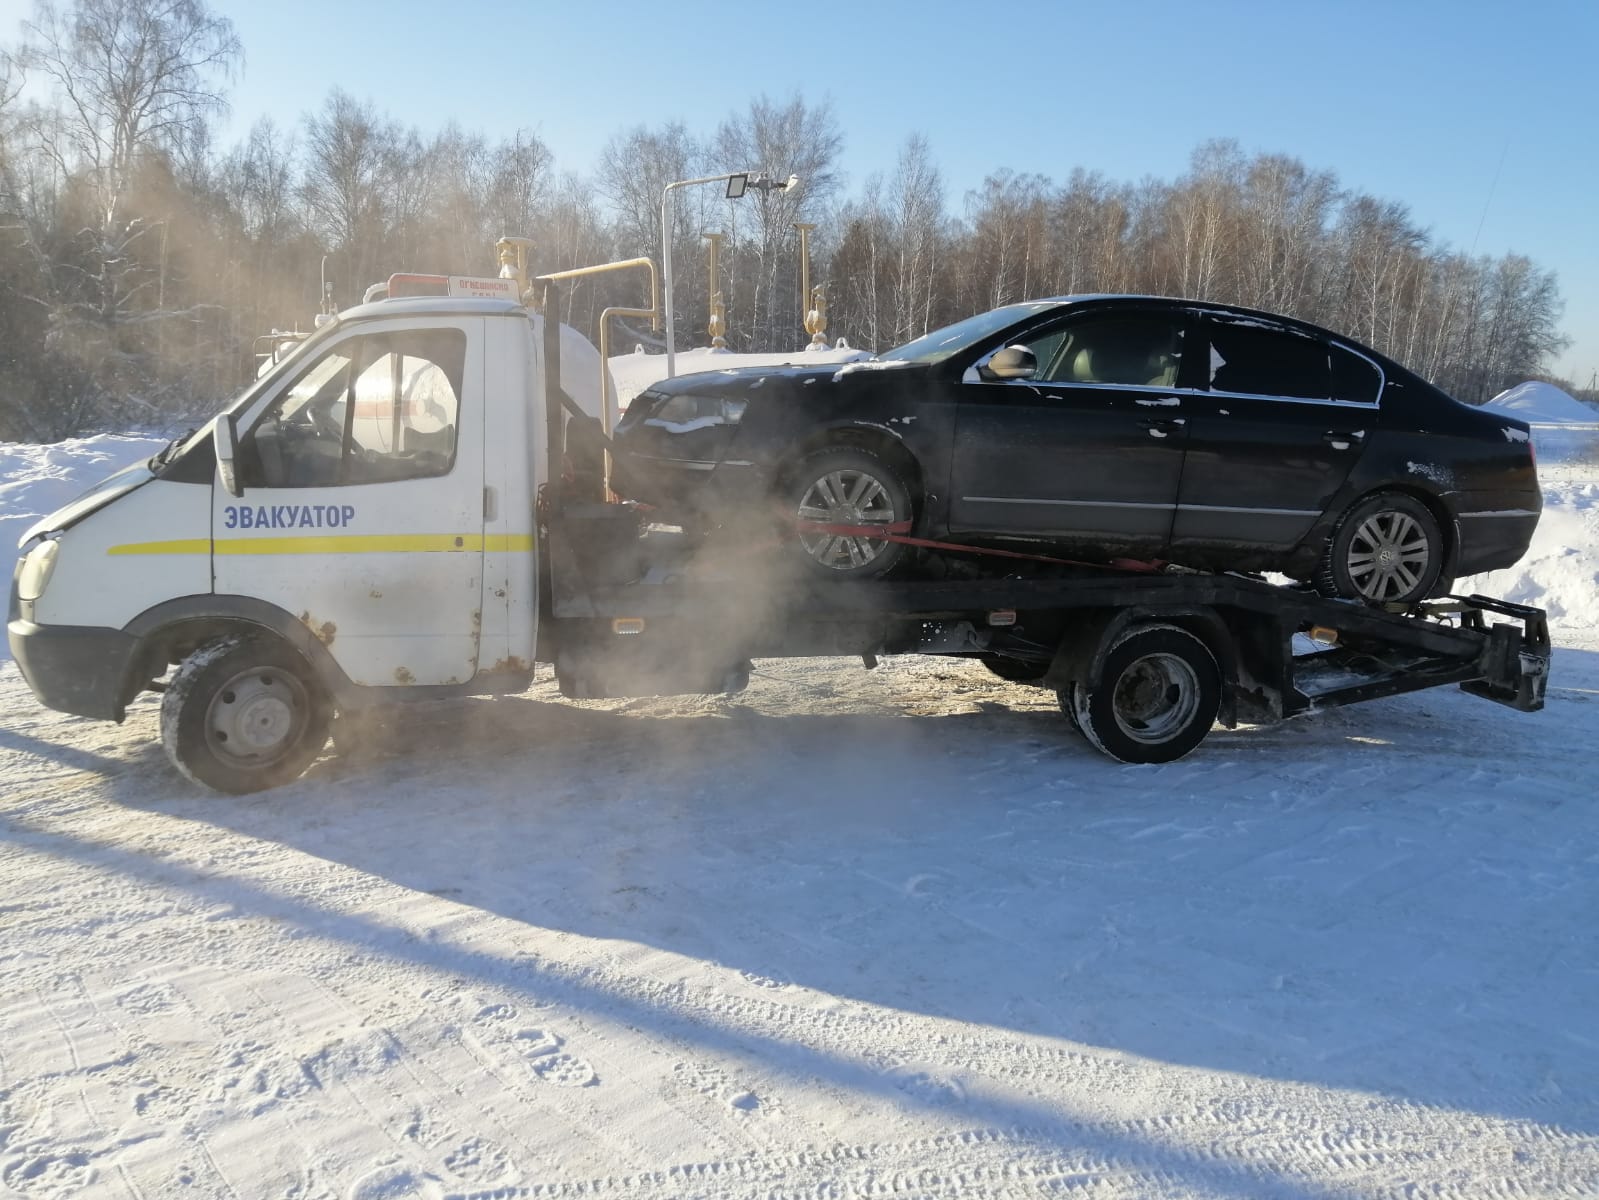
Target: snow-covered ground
<point x="888" y="933"/>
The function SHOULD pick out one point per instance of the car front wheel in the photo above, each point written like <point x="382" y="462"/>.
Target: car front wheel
<point x="846" y="501"/>
<point x="1388" y="549"/>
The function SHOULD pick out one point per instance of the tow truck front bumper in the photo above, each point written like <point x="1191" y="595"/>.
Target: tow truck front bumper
<point x="78" y="669"/>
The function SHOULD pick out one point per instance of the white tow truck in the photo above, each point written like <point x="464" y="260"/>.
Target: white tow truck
<point x="412" y="505"/>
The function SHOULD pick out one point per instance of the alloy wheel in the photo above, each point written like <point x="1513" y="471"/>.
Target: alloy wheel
<point x="846" y="497"/>
<point x="1388" y="555"/>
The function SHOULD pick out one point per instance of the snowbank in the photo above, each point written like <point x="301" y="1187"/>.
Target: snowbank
<point x="632" y="373"/>
<point x="1560" y="571"/>
<point x="1543" y="402"/>
<point x="37" y="480"/>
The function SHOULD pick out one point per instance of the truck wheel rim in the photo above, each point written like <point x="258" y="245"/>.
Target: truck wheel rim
<point x="845" y="497"/>
<point x="1388" y="556"/>
<point x="1156" y="698"/>
<point x="257" y="717"/>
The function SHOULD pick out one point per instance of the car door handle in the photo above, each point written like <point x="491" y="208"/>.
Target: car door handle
<point x="1164" y="427"/>
<point x="1342" y="439"/>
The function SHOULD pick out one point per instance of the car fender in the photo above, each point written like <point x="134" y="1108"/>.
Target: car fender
<point x="1391" y="462"/>
<point x="922" y="442"/>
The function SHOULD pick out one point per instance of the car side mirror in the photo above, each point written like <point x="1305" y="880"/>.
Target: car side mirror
<point x="1013" y="362"/>
<point x="225" y="437"/>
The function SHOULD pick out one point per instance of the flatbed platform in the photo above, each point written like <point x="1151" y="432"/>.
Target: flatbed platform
<point x="671" y="624"/>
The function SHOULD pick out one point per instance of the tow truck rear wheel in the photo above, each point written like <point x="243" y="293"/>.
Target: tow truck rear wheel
<point x="1158" y="695"/>
<point x="244" y="713"/>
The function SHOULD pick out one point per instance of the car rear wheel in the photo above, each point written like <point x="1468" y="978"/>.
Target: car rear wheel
<point x="1388" y="549"/>
<point x="848" y="489"/>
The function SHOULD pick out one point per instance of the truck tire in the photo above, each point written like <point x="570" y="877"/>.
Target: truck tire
<point x="244" y="713"/>
<point x="1158" y="695"/>
<point x="847" y="486"/>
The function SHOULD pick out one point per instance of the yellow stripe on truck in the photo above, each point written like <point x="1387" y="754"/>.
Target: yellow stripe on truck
<point x="355" y="543"/>
<point x="186" y="546"/>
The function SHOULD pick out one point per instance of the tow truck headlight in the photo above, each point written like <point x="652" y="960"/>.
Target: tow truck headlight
<point x="34" y="574"/>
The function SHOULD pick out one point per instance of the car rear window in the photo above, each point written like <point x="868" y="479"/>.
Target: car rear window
<point x="1256" y="360"/>
<point x="1354" y="378"/>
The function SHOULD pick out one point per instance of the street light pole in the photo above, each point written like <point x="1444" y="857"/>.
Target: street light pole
<point x="737" y="181"/>
<point x="666" y="253"/>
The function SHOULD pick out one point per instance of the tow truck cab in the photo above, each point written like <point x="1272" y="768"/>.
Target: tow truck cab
<point x="372" y="505"/>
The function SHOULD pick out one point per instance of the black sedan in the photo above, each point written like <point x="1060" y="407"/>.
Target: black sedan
<point x="1100" y="427"/>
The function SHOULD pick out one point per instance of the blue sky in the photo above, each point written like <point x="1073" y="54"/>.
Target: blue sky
<point x="1482" y="117"/>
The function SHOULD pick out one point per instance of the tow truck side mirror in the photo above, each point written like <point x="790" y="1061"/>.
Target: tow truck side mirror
<point x="226" y="439"/>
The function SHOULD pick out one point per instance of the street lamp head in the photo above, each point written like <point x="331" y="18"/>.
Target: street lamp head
<point x="736" y="184"/>
<point x="763" y="184"/>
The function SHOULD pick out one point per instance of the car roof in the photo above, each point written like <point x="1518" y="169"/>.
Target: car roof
<point x="1235" y="310"/>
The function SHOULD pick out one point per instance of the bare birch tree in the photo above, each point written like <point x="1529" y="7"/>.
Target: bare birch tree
<point x="776" y="140"/>
<point x="131" y="80"/>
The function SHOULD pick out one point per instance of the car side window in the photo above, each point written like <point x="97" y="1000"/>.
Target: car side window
<point x="370" y="410"/>
<point x="1255" y="360"/>
<point x="1142" y="350"/>
<point x="1354" y="378"/>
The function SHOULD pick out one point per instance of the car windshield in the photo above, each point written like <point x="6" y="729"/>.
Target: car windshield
<point x="935" y="347"/>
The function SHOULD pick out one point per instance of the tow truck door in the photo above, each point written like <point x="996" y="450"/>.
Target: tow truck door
<point x="362" y="512"/>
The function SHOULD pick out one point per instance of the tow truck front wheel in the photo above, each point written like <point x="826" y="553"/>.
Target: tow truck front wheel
<point x="1157" y="697"/>
<point x="243" y="714"/>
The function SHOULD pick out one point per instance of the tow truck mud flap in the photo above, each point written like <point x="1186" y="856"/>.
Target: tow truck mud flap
<point x="609" y="659"/>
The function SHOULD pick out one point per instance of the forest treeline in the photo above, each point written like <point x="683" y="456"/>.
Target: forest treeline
<point x="140" y="260"/>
